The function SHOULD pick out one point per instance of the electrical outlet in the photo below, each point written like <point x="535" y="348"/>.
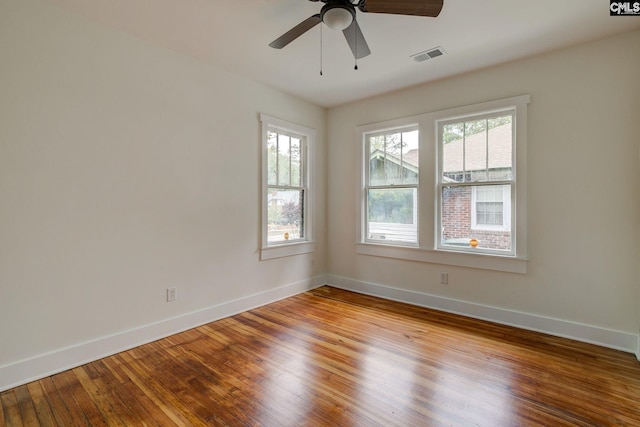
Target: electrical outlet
<point x="172" y="294"/>
<point x="444" y="278"/>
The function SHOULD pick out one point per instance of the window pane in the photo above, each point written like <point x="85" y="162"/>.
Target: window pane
<point x="475" y="150"/>
<point x="491" y="210"/>
<point x="295" y="162"/>
<point x="377" y="160"/>
<point x="272" y="158"/>
<point x="452" y="152"/>
<point x="500" y="146"/>
<point x="392" y="214"/>
<point x="393" y="158"/>
<point x="284" y="214"/>
<point x="453" y="132"/>
<point x="284" y="150"/>
<point x="392" y="166"/>
<point x="478" y="150"/>
<point x="410" y="157"/>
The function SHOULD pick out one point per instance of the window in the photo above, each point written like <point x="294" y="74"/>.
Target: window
<point x="392" y="186"/>
<point x="476" y="181"/>
<point x="285" y="193"/>
<point x="491" y="207"/>
<point x="447" y="187"/>
<point x="285" y="187"/>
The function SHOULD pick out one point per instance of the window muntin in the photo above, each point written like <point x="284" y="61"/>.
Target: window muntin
<point x="391" y="186"/>
<point x="476" y="182"/>
<point x="285" y="187"/>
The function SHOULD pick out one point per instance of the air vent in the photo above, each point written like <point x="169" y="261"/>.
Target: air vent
<point x="428" y="54"/>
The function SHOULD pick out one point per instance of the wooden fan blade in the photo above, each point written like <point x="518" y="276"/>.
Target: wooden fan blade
<point x="356" y="40"/>
<point x="402" y="7"/>
<point x="296" y="32"/>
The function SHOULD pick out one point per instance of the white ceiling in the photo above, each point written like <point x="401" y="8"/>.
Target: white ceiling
<point x="234" y="35"/>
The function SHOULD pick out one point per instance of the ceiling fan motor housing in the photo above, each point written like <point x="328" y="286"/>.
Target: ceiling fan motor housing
<point x="337" y="14"/>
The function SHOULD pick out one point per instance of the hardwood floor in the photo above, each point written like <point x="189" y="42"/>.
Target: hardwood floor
<point x="335" y="358"/>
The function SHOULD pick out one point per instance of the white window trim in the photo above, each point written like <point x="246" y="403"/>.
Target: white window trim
<point x="306" y="244"/>
<point x="427" y="250"/>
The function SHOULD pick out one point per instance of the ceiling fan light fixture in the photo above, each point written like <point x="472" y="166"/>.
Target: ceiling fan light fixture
<point x="337" y="17"/>
<point x="341" y="15"/>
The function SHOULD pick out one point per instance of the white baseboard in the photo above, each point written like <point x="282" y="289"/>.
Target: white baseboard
<point x="618" y="340"/>
<point x="27" y="370"/>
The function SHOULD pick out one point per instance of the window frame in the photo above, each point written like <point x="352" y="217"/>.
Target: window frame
<point x="305" y="244"/>
<point x="427" y="249"/>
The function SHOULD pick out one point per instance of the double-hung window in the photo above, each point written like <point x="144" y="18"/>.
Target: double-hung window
<point x="466" y="202"/>
<point x="391" y="188"/>
<point x="476" y="182"/>
<point x="286" y="203"/>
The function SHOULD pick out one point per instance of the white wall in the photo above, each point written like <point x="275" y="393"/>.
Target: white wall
<point x="125" y="169"/>
<point x="583" y="195"/>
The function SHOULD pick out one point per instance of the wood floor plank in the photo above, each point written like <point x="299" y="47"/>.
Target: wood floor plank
<point x="207" y="396"/>
<point x="139" y="403"/>
<point x="102" y="396"/>
<point x="329" y="357"/>
<point x="11" y="409"/>
<point x="247" y="374"/>
<point x="2" y="418"/>
<point x="62" y="415"/>
<point x="77" y="399"/>
<point x="165" y="398"/>
<point x="228" y="383"/>
<point x="244" y="375"/>
<point x="40" y="403"/>
<point x="26" y="406"/>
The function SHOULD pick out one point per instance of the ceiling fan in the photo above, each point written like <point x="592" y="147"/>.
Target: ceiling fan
<point x="341" y="15"/>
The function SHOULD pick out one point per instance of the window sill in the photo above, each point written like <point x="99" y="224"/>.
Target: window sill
<point x="508" y="264"/>
<point x="286" y="249"/>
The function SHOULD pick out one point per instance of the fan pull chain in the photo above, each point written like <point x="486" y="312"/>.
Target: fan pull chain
<point x="320" y="49"/>
<point x="355" y="34"/>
